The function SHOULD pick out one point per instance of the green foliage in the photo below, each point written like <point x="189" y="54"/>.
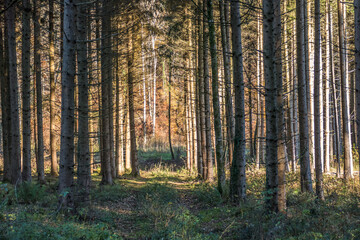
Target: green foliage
<point x="109" y="193"/>
<point x="30" y="193"/>
<point x="207" y="195"/>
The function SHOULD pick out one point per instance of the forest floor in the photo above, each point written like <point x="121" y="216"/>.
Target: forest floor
<point x="167" y="202"/>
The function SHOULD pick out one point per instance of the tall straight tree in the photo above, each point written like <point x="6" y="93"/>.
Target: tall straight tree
<point x="206" y="93"/>
<point x="26" y="111"/>
<point x="83" y="170"/>
<point x="131" y="72"/>
<point x="317" y="100"/>
<point x="54" y="163"/>
<point x="345" y="103"/>
<point x="107" y="177"/>
<point x="39" y="115"/>
<point x="275" y="131"/>
<point x="227" y="77"/>
<point x="238" y="176"/>
<point x="357" y="68"/>
<point x="66" y="173"/>
<point x="305" y="171"/>
<point x="215" y="99"/>
<point x="14" y="146"/>
<point x="5" y="101"/>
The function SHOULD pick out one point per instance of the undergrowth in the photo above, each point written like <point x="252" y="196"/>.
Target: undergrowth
<point x="169" y="203"/>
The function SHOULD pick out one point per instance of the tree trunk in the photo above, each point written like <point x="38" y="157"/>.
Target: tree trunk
<point x="67" y="105"/>
<point x="107" y="177"/>
<point x="348" y="174"/>
<point x="209" y="154"/>
<point x="26" y="111"/>
<point x="227" y="77"/>
<point x="169" y="111"/>
<point x="131" y="72"/>
<point x="216" y="104"/>
<point x="317" y="108"/>
<point x="327" y="93"/>
<point x="54" y="163"/>
<point x="305" y="171"/>
<point x="84" y="175"/>
<point x="14" y="146"/>
<point x="357" y="69"/>
<point x="5" y="108"/>
<point x="238" y="166"/>
<point x="37" y="66"/>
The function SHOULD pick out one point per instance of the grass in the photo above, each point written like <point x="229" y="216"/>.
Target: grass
<point x="169" y="203"/>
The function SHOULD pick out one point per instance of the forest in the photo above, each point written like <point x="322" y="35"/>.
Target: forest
<point x="179" y="119"/>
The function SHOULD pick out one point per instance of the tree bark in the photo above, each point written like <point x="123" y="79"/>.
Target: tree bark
<point x="348" y="174"/>
<point x="215" y="99"/>
<point x="237" y="175"/>
<point x="84" y="174"/>
<point x="357" y="68"/>
<point x="5" y="105"/>
<point x="54" y="163"/>
<point x="37" y="66"/>
<point x="209" y="154"/>
<point x="305" y="171"/>
<point x="14" y="146"/>
<point x="107" y="177"/>
<point x="317" y="108"/>
<point x="133" y="148"/>
<point x="26" y="111"/>
<point x="66" y="176"/>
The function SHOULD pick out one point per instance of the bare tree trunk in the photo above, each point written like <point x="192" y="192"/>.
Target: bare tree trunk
<point x="344" y="96"/>
<point x="317" y="108"/>
<point x="271" y="113"/>
<point x="259" y="106"/>
<point x="106" y="103"/>
<point x="133" y="149"/>
<point x="210" y="169"/>
<point x="26" y="111"/>
<point x="54" y="163"/>
<point x="84" y="175"/>
<point x="169" y="111"/>
<point x="153" y="44"/>
<point x="5" y="108"/>
<point x="14" y="146"/>
<point x="216" y="104"/>
<point x="305" y="171"/>
<point x="357" y="69"/>
<point x="37" y="66"/>
<point x="327" y="93"/>
<point x="238" y="166"/>
<point x="227" y="77"/>
<point x="66" y="176"/>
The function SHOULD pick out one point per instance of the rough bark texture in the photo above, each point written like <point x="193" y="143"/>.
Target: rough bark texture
<point x="53" y="154"/>
<point x="83" y="171"/>
<point x="270" y="106"/>
<point x="26" y="111"/>
<point x="5" y="107"/>
<point x="209" y="154"/>
<point x="357" y="67"/>
<point x="66" y="174"/>
<point x="107" y="177"/>
<point x="227" y="77"/>
<point x="39" y="114"/>
<point x="317" y="109"/>
<point x="305" y="171"/>
<point x="216" y="103"/>
<point x="14" y="145"/>
<point x="238" y="176"/>
<point x="344" y="96"/>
